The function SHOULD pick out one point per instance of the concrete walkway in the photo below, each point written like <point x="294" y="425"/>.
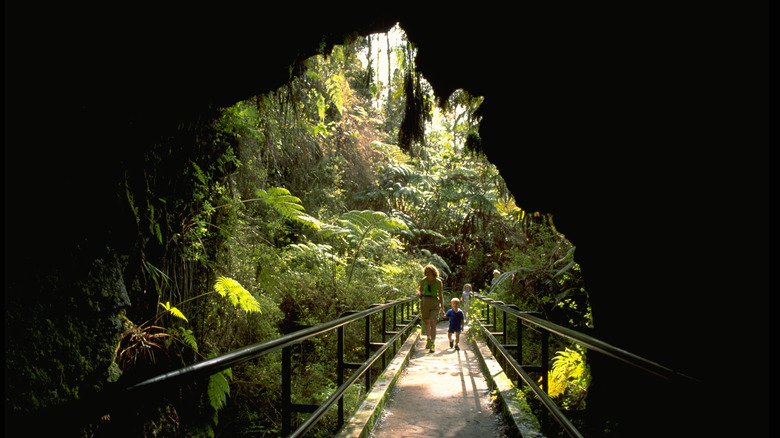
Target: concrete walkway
<point x="440" y="394"/>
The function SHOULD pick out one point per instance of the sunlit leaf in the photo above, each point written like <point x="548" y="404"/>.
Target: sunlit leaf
<point x="236" y="294"/>
<point x="173" y="310"/>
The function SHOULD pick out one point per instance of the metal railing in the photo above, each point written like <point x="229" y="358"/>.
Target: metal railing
<point x="545" y="328"/>
<point x="404" y="319"/>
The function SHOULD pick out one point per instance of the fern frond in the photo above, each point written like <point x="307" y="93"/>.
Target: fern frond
<point x="391" y="151"/>
<point x="188" y="338"/>
<point x="335" y="231"/>
<point x="336" y="85"/>
<point x="219" y="389"/>
<point x="236" y="294"/>
<point x="568" y="371"/>
<point x="287" y="205"/>
<point x="173" y="311"/>
<point x="370" y="218"/>
<point x="318" y="250"/>
<point x="436" y="260"/>
<point x="404" y="171"/>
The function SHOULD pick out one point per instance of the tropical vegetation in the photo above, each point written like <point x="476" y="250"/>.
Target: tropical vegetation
<point x="329" y="194"/>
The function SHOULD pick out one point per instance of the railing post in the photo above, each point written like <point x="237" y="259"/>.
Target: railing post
<point x="368" y="351"/>
<point x="519" y="357"/>
<point x="518" y="339"/>
<point x="384" y="333"/>
<point x="340" y="365"/>
<point x="286" y="392"/>
<point x="545" y="360"/>
<point x="496" y="331"/>
<point x="395" y="325"/>
<point x="503" y="327"/>
<point x="340" y="372"/>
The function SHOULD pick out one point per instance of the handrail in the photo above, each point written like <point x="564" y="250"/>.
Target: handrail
<point x="578" y="337"/>
<point x="115" y="397"/>
<point x="227" y="360"/>
<point x="540" y="393"/>
<point x="339" y="392"/>
<point x="592" y="343"/>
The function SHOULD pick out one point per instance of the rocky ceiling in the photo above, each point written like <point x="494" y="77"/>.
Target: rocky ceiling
<point x="642" y="129"/>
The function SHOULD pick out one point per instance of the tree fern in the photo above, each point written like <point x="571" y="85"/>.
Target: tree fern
<point x="365" y="228"/>
<point x="320" y="250"/>
<point x="337" y="89"/>
<point x="359" y="227"/>
<point x="236" y="294"/>
<point x="414" y="234"/>
<point x="287" y="205"/>
<point x="436" y="260"/>
<point x="392" y="152"/>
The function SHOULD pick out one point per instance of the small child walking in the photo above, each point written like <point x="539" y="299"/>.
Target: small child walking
<point x="465" y="298"/>
<point x="456" y="318"/>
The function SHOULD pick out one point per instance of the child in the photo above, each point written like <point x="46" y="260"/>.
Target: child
<point x="456" y="317"/>
<point x="465" y="297"/>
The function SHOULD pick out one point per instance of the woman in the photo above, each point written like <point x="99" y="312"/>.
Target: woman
<point x="432" y="302"/>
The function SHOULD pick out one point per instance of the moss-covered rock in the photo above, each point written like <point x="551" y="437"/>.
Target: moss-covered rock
<point x="61" y="329"/>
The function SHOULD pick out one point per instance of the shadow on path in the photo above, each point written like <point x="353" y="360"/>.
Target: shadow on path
<point x="440" y="394"/>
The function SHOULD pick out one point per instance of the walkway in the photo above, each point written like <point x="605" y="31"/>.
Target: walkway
<point x="440" y="394"/>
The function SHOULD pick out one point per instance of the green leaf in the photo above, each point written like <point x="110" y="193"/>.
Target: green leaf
<point x="568" y="253"/>
<point x="188" y="338"/>
<point x="158" y="233"/>
<point x="393" y="153"/>
<point x="173" y="310"/>
<point x="219" y="389"/>
<point x="287" y="205"/>
<point x="236" y="294"/>
<point x="564" y="269"/>
<point x="367" y="228"/>
<point x="436" y="260"/>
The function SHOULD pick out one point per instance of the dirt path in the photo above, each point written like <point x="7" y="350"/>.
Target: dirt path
<point x="440" y="394"/>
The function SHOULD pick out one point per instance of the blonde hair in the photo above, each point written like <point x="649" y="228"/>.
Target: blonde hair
<point x="455" y="300"/>
<point x="431" y="268"/>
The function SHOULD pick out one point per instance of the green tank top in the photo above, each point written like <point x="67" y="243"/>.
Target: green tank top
<point x="430" y="290"/>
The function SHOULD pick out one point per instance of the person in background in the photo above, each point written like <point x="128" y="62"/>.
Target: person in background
<point x="430" y="292"/>
<point x="496" y="273"/>
<point x="465" y="297"/>
<point x="456" y="318"/>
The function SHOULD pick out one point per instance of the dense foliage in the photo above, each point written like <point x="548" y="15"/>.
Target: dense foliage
<point x="289" y="208"/>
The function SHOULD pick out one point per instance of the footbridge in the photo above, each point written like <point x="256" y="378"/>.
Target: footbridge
<point x="481" y="389"/>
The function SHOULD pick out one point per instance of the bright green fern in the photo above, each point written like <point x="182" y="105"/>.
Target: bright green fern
<point x="236" y="294"/>
<point x="173" y="310"/>
<point x="569" y="377"/>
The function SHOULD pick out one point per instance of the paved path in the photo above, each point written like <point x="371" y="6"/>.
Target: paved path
<point x="440" y="394"/>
